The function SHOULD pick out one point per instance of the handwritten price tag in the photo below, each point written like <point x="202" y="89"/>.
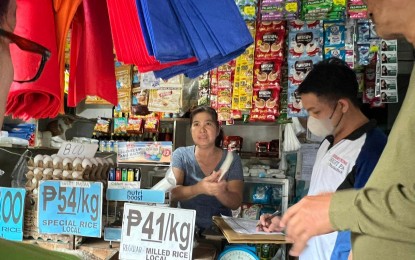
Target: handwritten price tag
<point x="11" y="213"/>
<point x="69" y="149"/>
<point x="150" y="232"/>
<point x="70" y="207"/>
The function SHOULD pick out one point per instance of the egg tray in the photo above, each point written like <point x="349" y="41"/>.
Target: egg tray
<point x="48" y="168"/>
<point x="30" y="230"/>
<point x="56" y="168"/>
<point x="59" y="168"/>
<point x="53" y="238"/>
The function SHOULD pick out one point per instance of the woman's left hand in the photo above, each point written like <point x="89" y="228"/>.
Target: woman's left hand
<point x="211" y="185"/>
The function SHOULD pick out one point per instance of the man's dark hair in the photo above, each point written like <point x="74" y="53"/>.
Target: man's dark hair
<point x="331" y="79"/>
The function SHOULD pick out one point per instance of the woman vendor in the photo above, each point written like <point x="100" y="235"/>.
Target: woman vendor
<point x="196" y="169"/>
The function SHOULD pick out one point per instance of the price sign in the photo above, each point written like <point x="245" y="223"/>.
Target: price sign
<point x="150" y="232"/>
<point x="11" y="213"/>
<point x="69" y="149"/>
<point x="70" y="207"/>
<point x="125" y="191"/>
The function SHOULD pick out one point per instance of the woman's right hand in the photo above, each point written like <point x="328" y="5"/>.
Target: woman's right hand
<point x="211" y="186"/>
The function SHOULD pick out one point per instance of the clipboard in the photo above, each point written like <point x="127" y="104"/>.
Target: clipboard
<point x="237" y="238"/>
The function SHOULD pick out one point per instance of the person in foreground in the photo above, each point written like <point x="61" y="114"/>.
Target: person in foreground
<point x="10" y="249"/>
<point x="349" y="151"/>
<point x="7" y="23"/>
<point x="380" y="215"/>
<point x="196" y="169"/>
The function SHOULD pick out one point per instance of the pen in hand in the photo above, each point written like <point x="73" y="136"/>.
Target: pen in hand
<point x="268" y="219"/>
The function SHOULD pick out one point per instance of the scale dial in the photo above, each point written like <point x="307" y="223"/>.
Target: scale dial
<point x="238" y="253"/>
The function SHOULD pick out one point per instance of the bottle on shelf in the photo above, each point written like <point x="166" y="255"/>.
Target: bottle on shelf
<point x="94" y="139"/>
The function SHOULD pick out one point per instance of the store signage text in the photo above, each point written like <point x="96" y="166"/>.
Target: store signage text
<point x="151" y="232"/>
<point x="69" y="149"/>
<point x="70" y="207"/>
<point x="11" y="213"/>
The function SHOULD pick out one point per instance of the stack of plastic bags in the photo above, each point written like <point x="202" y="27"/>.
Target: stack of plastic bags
<point x="128" y="38"/>
<point x="42" y="98"/>
<point x="92" y="70"/>
<point x="19" y="134"/>
<point x="178" y="36"/>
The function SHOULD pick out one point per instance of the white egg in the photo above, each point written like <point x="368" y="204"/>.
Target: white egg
<point x="37" y="159"/>
<point x="99" y="160"/>
<point x="86" y="162"/>
<point x="57" y="172"/>
<point x="67" y="161"/>
<point x="77" y="162"/>
<point x="54" y="156"/>
<point x="94" y="161"/>
<point x="76" y="175"/>
<point x="47" y="159"/>
<point x="48" y="171"/>
<point x="34" y="180"/>
<point x="66" y="174"/>
<point x="35" y="191"/>
<point x="57" y="160"/>
<point x="37" y="171"/>
<point x="110" y="161"/>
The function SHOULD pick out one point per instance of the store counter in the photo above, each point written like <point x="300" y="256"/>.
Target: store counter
<point x="97" y="249"/>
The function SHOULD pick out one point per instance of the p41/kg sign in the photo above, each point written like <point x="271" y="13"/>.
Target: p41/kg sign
<point x="150" y="232"/>
<point x="11" y="213"/>
<point x="70" y="207"/>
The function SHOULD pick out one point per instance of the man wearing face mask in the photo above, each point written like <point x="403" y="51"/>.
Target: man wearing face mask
<point x="349" y="151"/>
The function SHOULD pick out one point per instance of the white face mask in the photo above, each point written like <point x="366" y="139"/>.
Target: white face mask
<point x="321" y="128"/>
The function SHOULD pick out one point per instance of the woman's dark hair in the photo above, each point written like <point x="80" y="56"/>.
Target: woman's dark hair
<point x="214" y="115"/>
<point x="331" y="79"/>
<point x="4" y="7"/>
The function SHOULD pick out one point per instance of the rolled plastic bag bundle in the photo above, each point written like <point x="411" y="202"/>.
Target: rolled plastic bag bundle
<point x="167" y="183"/>
<point x="92" y="58"/>
<point x="290" y="143"/>
<point x="42" y="98"/>
<point x="298" y="128"/>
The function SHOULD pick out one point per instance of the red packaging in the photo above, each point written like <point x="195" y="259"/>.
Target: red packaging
<point x="267" y="74"/>
<point x="232" y="143"/>
<point x="267" y="26"/>
<point x="269" y="45"/>
<point x="265" y="104"/>
<point x="262" y="147"/>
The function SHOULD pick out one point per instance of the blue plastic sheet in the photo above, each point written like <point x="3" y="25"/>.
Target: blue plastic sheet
<point x="213" y="31"/>
<point x="165" y="33"/>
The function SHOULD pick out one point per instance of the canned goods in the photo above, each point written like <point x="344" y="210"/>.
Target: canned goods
<point x="111" y="175"/>
<point x="130" y="175"/>
<point x="110" y="146"/>
<point x="124" y="174"/>
<point x="102" y="146"/>
<point x="116" y="147"/>
<point x="137" y="174"/>
<point x="118" y="174"/>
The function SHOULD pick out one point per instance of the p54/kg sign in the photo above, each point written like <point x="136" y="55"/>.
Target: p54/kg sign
<point x="11" y="213"/>
<point x="70" y="207"/>
<point x="157" y="233"/>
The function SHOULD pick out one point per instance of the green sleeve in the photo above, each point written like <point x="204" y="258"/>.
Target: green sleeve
<point x="384" y="213"/>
